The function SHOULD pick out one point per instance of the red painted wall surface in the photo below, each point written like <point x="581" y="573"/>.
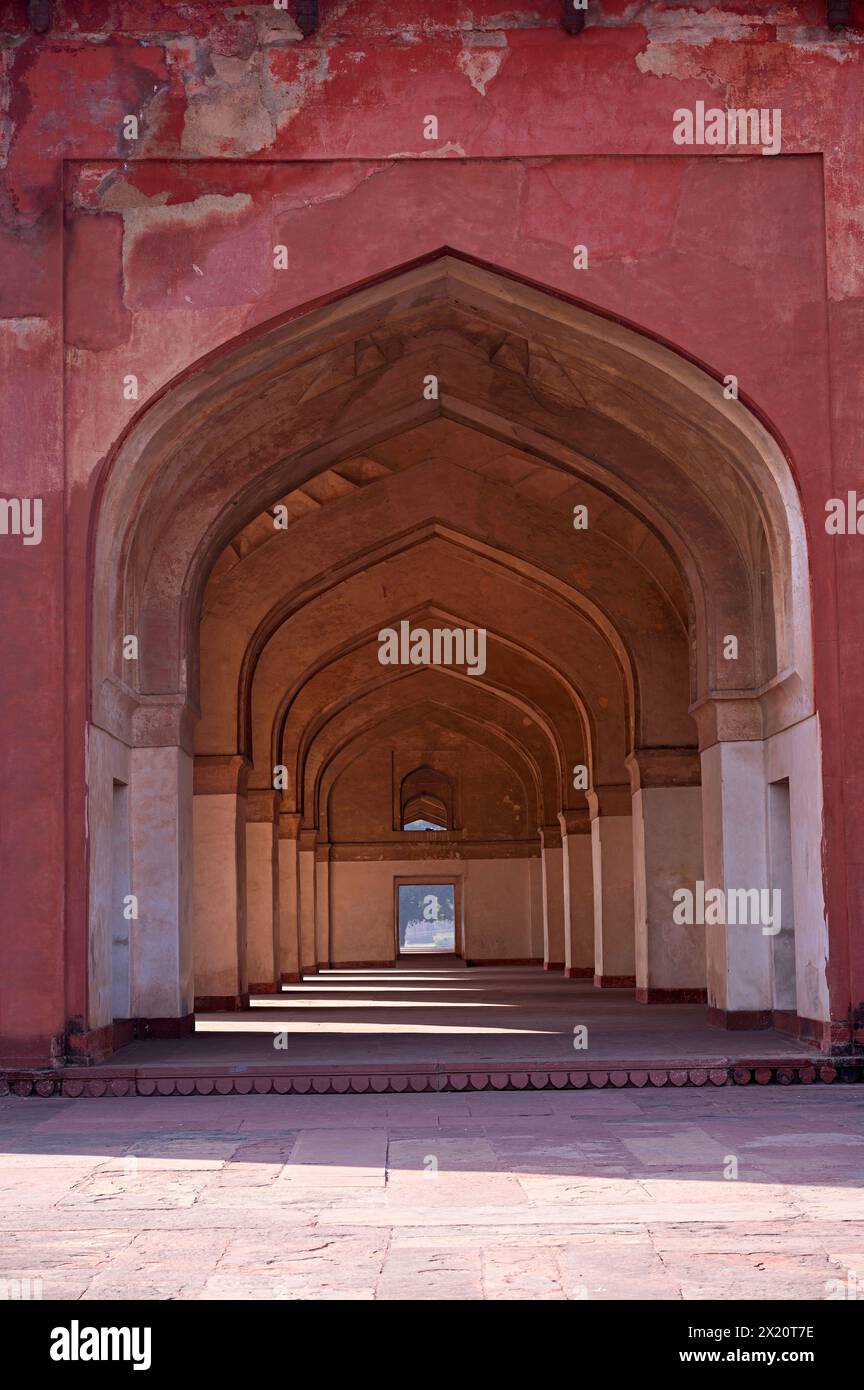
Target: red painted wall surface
<point x="250" y="136"/>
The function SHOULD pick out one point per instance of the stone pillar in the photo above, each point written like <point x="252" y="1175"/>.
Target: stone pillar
<point x="667" y="856"/>
<point x="322" y="904"/>
<point x="735" y="846"/>
<point x="219" y="894"/>
<point x="578" y="893"/>
<point x="612" y="864"/>
<point x="553" y="897"/>
<point x="262" y="892"/>
<point x="160" y="824"/>
<point x="289" y="897"/>
<point x="535" y="888"/>
<point x="307" y="879"/>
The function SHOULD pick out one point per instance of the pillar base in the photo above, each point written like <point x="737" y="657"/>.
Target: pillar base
<point x="97" y="1044"/>
<point x="553" y="965"/>
<point x="681" y="995"/>
<point x="787" y="1021"/>
<point x="221" y="1003"/>
<point x="91" y="1046"/>
<point x="153" y="1028"/>
<point x="578" y="972"/>
<point x="829" y="1036"/>
<point x="269" y="987"/>
<point x="293" y="977"/>
<point x="356" y="965"/>
<point x="514" y="961"/>
<point x="834" y="1037"/>
<point x="124" y="1032"/>
<point x="740" y="1020"/>
<point x="614" y="981"/>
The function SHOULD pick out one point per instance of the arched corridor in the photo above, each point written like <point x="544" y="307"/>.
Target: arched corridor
<point x="432" y="1019"/>
<point x="432" y="679"/>
<point x="453" y="549"/>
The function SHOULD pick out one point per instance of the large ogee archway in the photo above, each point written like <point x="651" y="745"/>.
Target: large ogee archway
<point x="453" y="447"/>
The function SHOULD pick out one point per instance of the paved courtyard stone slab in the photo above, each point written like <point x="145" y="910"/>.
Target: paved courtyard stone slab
<point x="554" y="1196"/>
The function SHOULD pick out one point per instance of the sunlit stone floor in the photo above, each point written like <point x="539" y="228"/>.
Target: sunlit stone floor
<point x="565" y="1195"/>
<point x="424" y="1014"/>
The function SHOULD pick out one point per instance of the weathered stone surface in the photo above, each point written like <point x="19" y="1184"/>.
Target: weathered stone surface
<point x="582" y="1201"/>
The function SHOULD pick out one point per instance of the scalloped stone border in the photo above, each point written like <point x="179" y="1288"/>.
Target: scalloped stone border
<point x="74" y="1082"/>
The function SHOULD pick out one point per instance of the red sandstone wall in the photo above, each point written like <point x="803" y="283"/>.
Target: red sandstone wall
<point x="249" y="137"/>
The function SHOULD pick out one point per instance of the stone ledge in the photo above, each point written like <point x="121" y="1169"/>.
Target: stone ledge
<point x="110" y="1081"/>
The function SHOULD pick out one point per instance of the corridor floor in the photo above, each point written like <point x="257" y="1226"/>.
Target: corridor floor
<point x="658" y="1194"/>
<point x="432" y="1013"/>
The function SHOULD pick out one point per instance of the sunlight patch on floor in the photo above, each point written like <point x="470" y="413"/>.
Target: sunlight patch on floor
<point x="346" y="1029"/>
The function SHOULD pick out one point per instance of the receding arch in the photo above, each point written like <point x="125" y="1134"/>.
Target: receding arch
<point x="533" y="762"/>
<point x="627" y="631"/>
<point x="427" y="794"/>
<point x="729" y="451"/>
<point x="381" y="686"/>
<point x="352" y="742"/>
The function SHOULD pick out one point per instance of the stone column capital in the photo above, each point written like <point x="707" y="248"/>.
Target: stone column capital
<point x="731" y="718"/>
<point x="550" y="836"/>
<point x="610" y="799"/>
<point x="262" y="805"/>
<point x="162" y="721"/>
<point x="219" y="774"/>
<point x="664" y="767"/>
<point x="742" y="717"/>
<point x="322" y="852"/>
<point x="308" y="839"/>
<point x="289" y="825"/>
<point x="575" y="821"/>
